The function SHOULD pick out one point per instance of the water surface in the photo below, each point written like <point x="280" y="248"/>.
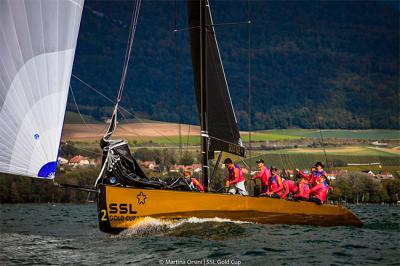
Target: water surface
<point x="68" y="234"/>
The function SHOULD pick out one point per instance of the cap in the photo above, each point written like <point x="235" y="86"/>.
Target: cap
<point x="227" y="161"/>
<point x="319" y="164"/>
<point x="273" y="168"/>
<point x="260" y="161"/>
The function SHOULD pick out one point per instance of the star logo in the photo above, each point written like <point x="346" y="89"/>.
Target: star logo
<point x="141" y="198"/>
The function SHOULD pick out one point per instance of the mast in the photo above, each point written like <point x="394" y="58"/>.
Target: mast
<point x="218" y="124"/>
<point x="203" y="100"/>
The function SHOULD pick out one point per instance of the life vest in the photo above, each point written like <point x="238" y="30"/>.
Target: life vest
<point x="272" y="180"/>
<point x="315" y="177"/>
<point x="273" y="184"/>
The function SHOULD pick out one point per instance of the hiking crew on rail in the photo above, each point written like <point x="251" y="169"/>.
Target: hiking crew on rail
<point x="313" y="187"/>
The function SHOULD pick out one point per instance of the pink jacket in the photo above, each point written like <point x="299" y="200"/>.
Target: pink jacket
<point x="275" y="184"/>
<point x="320" y="191"/>
<point x="263" y="175"/>
<point x="304" y="190"/>
<point x="288" y="187"/>
<point x="235" y="175"/>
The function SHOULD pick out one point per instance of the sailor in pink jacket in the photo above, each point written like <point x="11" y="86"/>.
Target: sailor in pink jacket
<point x="303" y="192"/>
<point x="289" y="186"/>
<point x="235" y="179"/>
<point x="263" y="175"/>
<point x="275" y="184"/>
<point x="320" y="191"/>
<point x="316" y="172"/>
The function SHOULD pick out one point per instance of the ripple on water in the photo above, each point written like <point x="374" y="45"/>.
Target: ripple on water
<point x="219" y="254"/>
<point x="273" y="249"/>
<point x="341" y="254"/>
<point x="254" y="253"/>
<point x="351" y="246"/>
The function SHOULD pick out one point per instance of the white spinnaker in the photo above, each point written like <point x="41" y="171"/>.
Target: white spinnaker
<point x="37" y="48"/>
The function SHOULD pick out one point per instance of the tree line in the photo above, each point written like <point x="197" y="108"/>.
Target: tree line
<point x="351" y="187"/>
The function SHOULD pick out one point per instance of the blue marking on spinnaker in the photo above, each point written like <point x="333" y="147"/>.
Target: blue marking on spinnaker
<point x="36" y="136"/>
<point x="48" y="170"/>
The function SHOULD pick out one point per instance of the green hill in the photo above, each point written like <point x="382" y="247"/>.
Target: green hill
<point x="335" y="62"/>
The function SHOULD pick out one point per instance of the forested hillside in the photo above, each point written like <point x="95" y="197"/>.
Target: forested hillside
<point x="337" y="61"/>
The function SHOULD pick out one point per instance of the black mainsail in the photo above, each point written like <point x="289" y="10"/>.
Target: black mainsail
<point x="218" y="121"/>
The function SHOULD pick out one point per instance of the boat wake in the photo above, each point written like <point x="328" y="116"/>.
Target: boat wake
<point x="198" y="227"/>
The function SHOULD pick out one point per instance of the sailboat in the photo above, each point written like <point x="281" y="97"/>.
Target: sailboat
<point x="34" y="89"/>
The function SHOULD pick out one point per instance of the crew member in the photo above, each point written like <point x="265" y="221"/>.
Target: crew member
<point x="303" y="192"/>
<point x="263" y="175"/>
<point x="275" y="184"/>
<point x="196" y="184"/>
<point x="235" y="179"/>
<point x="289" y="186"/>
<point x="317" y="173"/>
<point x="304" y="175"/>
<point x="320" y="191"/>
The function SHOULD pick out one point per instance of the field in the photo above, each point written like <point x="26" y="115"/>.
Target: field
<point x="167" y="133"/>
<point x="370" y="134"/>
<point x="156" y="135"/>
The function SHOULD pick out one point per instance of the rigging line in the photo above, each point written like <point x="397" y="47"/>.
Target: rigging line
<point x="187" y="139"/>
<point x="249" y="79"/>
<point x="229" y="23"/>
<point x="322" y="141"/>
<point x="121" y="108"/>
<point x="213" y="25"/>
<point x="77" y="107"/>
<point x="95" y="90"/>
<point x="178" y="92"/>
<point x="128" y="50"/>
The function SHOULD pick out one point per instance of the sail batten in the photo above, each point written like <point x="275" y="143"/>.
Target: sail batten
<point x="221" y="121"/>
<point x="38" y="41"/>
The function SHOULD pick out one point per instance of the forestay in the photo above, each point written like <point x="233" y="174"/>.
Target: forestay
<point x="37" y="47"/>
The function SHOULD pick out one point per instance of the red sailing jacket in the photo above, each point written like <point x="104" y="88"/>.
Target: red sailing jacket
<point x="275" y="184"/>
<point x="288" y="187"/>
<point x="320" y="191"/>
<point x="304" y="189"/>
<point x="197" y="184"/>
<point x="314" y="177"/>
<point x="263" y="176"/>
<point x="235" y="175"/>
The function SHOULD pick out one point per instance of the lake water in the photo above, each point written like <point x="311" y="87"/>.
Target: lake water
<point x="68" y="234"/>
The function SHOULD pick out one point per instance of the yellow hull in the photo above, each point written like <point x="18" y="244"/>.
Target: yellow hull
<point x="120" y="208"/>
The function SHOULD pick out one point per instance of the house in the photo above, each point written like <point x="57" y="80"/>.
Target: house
<point x="149" y="164"/>
<point x="384" y="175"/>
<point x="79" y="160"/>
<point x="177" y="168"/>
<point x="368" y="172"/>
<point x="62" y="161"/>
<point x="331" y="176"/>
<point x="95" y="162"/>
<point x="196" y="167"/>
<point x="379" y="144"/>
